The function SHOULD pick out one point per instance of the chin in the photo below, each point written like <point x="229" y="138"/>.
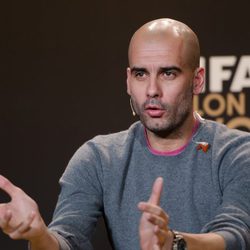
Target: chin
<point x="159" y="127"/>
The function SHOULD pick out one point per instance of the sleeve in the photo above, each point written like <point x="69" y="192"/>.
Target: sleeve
<point x="80" y="201"/>
<point x="232" y="218"/>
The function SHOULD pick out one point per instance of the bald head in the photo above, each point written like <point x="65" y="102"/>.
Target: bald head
<point x="167" y="30"/>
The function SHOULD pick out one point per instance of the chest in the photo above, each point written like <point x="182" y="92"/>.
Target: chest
<point x="190" y="194"/>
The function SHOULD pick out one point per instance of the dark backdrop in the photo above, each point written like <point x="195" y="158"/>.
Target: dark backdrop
<point x="63" y="79"/>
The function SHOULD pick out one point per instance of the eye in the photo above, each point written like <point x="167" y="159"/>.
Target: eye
<point x="140" y="74"/>
<point x="169" y="74"/>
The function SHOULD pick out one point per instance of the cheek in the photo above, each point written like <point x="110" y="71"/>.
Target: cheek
<point x="139" y="99"/>
<point x="138" y="93"/>
<point x="176" y="94"/>
<point x="171" y="93"/>
<point x="185" y="97"/>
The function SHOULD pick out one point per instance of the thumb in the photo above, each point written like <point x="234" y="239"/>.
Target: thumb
<point x="156" y="191"/>
<point x="7" y="186"/>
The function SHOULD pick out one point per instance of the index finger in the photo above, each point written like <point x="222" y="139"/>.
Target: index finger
<point x="156" y="191"/>
<point x="7" y="186"/>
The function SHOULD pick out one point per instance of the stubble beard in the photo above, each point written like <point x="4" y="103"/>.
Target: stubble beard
<point x="168" y="125"/>
<point x="172" y="120"/>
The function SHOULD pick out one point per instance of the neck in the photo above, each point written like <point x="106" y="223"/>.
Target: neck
<point x="174" y="140"/>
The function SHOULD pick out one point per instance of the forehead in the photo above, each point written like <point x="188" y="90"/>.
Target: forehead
<point x="158" y="51"/>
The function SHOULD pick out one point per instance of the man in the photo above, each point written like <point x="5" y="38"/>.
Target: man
<point x="204" y="165"/>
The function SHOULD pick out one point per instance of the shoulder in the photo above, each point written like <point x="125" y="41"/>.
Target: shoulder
<point x="102" y="150"/>
<point x="229" y="147"/>
<point x="220" y="133"/>
<point x="117" y="139"/>
<point x="225" y="144"/>
<point x="110" y="143"/>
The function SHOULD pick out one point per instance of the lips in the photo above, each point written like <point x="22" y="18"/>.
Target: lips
<point x="154" y="111"/>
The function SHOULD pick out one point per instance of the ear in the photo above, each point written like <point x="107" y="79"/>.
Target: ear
<point x="128" y="80"/>
<point x="198" y="82"/>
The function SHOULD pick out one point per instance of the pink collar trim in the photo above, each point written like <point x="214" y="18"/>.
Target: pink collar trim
<point x="173" y="152"/>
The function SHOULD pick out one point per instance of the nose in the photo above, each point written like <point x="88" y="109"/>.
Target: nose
<point x="153" y="89"/>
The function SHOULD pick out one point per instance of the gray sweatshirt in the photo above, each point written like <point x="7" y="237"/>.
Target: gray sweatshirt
<point x="203" y="191"/>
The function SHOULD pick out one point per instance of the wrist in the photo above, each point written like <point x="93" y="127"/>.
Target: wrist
<point x="40" y="238"/>
<point x="169" y="240"/>
<point x="45" y="240"/>
<point x="179" y="242"/>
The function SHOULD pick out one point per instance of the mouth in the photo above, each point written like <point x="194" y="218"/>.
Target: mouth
<point x="154" y="111"/>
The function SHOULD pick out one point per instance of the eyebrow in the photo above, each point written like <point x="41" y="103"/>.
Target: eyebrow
<point x="162" y="69"/>
<point x="170" y="68"/>
<point x="136" y="69"/>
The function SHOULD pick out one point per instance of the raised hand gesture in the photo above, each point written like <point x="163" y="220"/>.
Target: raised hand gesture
<point x="20" y="218"/>
<point x="153" y="230"/>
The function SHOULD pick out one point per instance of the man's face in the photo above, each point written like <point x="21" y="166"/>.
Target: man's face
<point x="160" y="83"/>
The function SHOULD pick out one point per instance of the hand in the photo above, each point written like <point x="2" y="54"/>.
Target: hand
<point x="20" y="218"/>
<point x="153" y="230"/>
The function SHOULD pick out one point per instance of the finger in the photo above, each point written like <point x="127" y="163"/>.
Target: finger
<point x="23" y="228"/>
<point x="156" y="191"/>
<point x="4" y="221"/>
<point x="27" y="225"/>
<point x="156" y="247"/>
<point x="161" y="235"/>
<point x="7" y="186"/>
<point x="158" y="221"/>
<point x="152" y="209"/>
